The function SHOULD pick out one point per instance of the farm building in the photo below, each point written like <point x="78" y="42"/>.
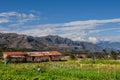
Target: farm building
<point x="14" y="56"/>
<point x="32" y="56"/>
<point x="43" y="56"/>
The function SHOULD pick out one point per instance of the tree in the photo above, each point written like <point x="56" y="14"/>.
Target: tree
<point x="92" y="55"/>
<point x="113" y="55"/>
<point x="104" y="54"/>
<point x="1" y="52"/>
<point x="73" y="57"/>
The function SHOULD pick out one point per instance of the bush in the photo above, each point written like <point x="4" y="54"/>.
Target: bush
<point x="73" y="57"/>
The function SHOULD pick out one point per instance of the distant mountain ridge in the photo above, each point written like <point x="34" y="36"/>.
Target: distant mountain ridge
<point x="13" y="40"/>
<point x="108" y="44"/>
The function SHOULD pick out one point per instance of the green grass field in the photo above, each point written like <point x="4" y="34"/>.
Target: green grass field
<point x="69" y="70"/>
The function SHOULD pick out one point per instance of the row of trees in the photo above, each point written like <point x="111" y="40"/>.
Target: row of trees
<point x="114" y="55"/>
<point x="105" y="55"/>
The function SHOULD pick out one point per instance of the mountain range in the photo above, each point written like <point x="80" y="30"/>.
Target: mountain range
<point x="50" y="42"/>
<point x="108" y="44"/>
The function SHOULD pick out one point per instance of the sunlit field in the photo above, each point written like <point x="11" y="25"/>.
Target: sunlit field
<point x="68" y="70"/>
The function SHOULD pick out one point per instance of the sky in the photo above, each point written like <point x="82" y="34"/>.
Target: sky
<point x="79" y="20"/>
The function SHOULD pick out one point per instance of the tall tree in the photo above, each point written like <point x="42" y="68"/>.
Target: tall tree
<point x="104" y="54"/>
<point x="113" y="55"/>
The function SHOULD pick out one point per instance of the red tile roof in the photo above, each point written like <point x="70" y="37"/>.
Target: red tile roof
<point x="14" y="53"/>
<point x="36" y="54"/>
<point x="51" y="53"/>
<point x="55" y="53"/>
<point x="18" y="56"/>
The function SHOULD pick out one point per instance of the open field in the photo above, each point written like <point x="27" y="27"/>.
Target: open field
<point x="68" y="70"/>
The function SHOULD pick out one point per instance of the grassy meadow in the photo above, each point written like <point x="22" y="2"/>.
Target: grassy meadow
<point x="68" y="70"/>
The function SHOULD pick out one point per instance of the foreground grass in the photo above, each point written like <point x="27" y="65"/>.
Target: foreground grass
<point x="70" y="70"/>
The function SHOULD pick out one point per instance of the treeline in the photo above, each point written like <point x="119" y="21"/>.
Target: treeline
<point x="105" y="55"/>
<point x="114" y="55"/>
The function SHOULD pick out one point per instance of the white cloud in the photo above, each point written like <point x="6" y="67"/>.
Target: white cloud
<point x="4" y="20"/>
<point x="16" y="17"/>
<point x="111" y="38"/>
<point x="7" y="14"/>
<point x="3" y="29"/>
<point x="76" y="30"/>
<point x="91" y="22"/>
<point x="92" y="39"/>
<point x="39" y="30"/>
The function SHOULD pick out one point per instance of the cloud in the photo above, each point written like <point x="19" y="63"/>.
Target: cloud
<point x="75" y="30"/>
<point x="16" y="17"/>
<point x="38" y="32"/>
<point x="91" y="22"/>
<point x="92" y="39"/>
<point x="88" y="30"/>
<point x="3" y="29"/>
<point x="115" y="38"/>
<point x="4" y="20"/>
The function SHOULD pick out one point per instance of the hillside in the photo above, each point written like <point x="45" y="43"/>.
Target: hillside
<point x="108" y="44"/>
<point x="13" y="40"/>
